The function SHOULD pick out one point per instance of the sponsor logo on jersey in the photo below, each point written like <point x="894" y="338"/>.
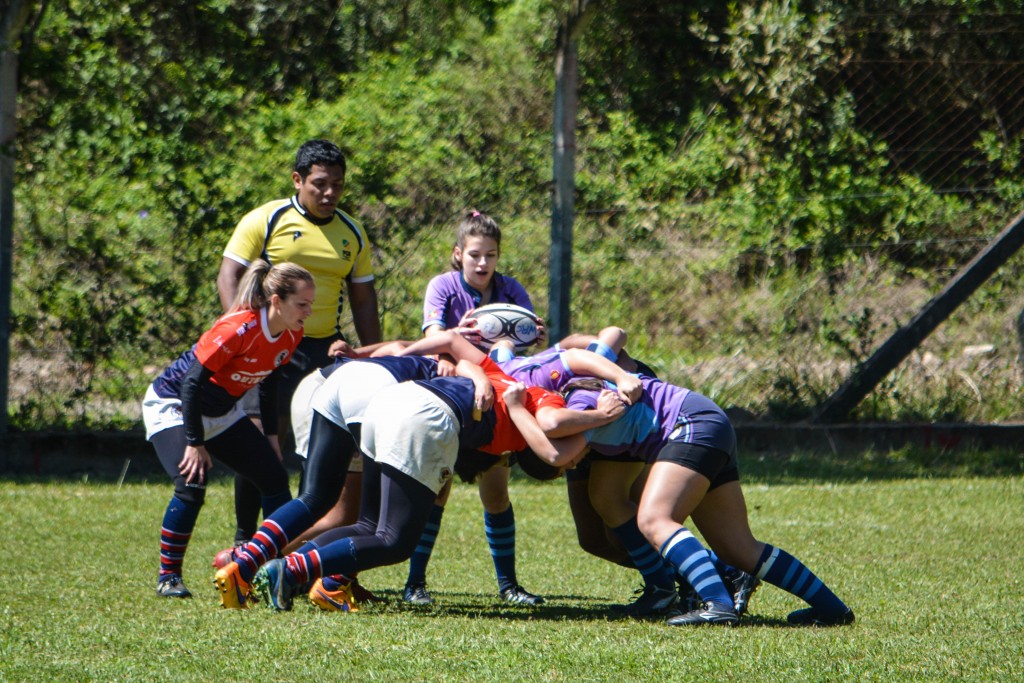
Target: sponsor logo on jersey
<point x="446" y="474"/>
<point x="555" y="374"/>
<point x="249" y="378"/>
<point x="296" y="235"/>
<point x="243" y="328"/>
<point x="281" y="357"/>
<point x="346" y="254"/>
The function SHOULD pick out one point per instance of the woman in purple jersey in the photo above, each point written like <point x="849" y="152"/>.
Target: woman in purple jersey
<point x="694" y="473"/>
<point x="473" y="281"/>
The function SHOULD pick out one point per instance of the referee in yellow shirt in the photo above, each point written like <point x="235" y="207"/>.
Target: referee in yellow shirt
<point x="308" y="229"/>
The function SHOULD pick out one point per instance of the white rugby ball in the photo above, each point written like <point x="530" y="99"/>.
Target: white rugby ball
<point x="498" y="322"/>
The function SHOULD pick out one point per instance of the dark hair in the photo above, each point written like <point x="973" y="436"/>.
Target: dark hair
<point x="261" y="281"/>
<point x="318" y="152"/>
<point x="643" y="368"/>
<point x="536" y="468"/>
<point x="471" y="463"/>
<point x="474" y="224"/>
<point x="587" y="383"/>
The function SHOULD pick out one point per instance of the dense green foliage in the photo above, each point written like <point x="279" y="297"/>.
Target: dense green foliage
<point x="736" y="163"/>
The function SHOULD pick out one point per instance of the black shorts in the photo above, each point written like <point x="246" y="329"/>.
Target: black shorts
<point x="718" y="466"/>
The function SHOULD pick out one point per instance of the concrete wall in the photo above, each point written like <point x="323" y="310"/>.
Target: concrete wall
<point x="105" y="454"/>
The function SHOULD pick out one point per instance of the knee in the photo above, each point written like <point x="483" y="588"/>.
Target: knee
<point x="190" y="495"/>
<point x="397" y="547"/>
<point x="495" y="498"/>
<point x="317" y="503"/>
<point x="649" y="524"/>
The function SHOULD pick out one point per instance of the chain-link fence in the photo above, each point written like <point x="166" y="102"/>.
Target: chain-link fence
<point x="770" y="326"/>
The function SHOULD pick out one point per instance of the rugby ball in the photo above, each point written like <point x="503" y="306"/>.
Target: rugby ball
<point x="498" y="322"/>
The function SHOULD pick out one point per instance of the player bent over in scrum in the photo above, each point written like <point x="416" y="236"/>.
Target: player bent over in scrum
<point x="695" y="474"/>
<point x="414" y="437"/>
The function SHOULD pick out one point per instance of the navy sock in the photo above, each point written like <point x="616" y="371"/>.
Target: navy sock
<point x="501" y="537"/>
<point x="175" y="533"/>
<point x="421" y="556"/>
<point x="277" y="530"/>
<point x="337" y="557"/>
<point x="652" y="566"/>
<point x="692" y="561"/>
<point x="272" y="502"/>
<point x="781" y="569"/>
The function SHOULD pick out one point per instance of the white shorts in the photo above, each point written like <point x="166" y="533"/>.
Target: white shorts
<point x="411" y="429"/>
<point x="302" y="411"/>
<point x="159" y="414"/>
<point x="302" y="416"/>
<point x="345" y="394"/>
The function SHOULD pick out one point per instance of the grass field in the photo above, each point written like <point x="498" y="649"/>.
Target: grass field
<point x="931" y="566"/>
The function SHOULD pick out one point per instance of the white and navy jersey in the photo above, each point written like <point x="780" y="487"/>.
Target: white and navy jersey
<point x="460" y="393"/>
<point x="404" y="368"/>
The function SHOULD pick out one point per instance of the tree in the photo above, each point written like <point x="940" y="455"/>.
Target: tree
<point x="14" y="15"/>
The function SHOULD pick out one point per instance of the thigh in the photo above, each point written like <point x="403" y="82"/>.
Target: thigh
<point x="671" y="494"/>
<point x="169" y="445"/>
<point x="404" y="508"/>
<point x="609" y="489"/>
<point x="330" y="450"/>
<point x="244" y="449"/>
<point x="493" y="488"/>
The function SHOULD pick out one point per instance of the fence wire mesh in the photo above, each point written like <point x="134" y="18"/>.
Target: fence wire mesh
<point x="768" y="327"/>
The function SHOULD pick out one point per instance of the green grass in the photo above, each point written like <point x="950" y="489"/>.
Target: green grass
<point x="931" y="566"/>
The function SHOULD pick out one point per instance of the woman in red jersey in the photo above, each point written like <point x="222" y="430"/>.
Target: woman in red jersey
<point x="191" y="412"/>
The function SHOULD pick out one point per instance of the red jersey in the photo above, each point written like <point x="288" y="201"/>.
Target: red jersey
<point x="240" y="352"/>
<point x="507" y="437"/>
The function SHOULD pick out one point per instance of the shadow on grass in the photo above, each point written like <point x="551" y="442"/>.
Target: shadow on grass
<point x="476" y="606"/>
<point x="479" y="606"/>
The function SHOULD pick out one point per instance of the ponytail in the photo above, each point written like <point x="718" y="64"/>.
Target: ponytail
<point x="261" y="281"/>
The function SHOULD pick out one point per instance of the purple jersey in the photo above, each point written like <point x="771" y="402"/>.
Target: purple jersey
<point x="664" y="412"/>
<point x="546" y="370"/>
<point x="449" y="297"/>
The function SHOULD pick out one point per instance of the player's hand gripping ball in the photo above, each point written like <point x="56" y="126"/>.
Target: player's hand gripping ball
<point x="497" y="322"/>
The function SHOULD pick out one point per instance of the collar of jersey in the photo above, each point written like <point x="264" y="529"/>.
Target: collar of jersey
<point x="307" y="215"/>
<point x="477" y="295"/>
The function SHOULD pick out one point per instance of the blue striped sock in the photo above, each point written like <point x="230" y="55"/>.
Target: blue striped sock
<point x="425" y="548"/>
<point x="692" y="561"/>
<point x="652" y="566"/>
<point x="501" y="355"/>
<point x="781" y="569"/>
<point x="602" y="349"/>
<point x="501" y="537"/>
<point x="175" y="533"/>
